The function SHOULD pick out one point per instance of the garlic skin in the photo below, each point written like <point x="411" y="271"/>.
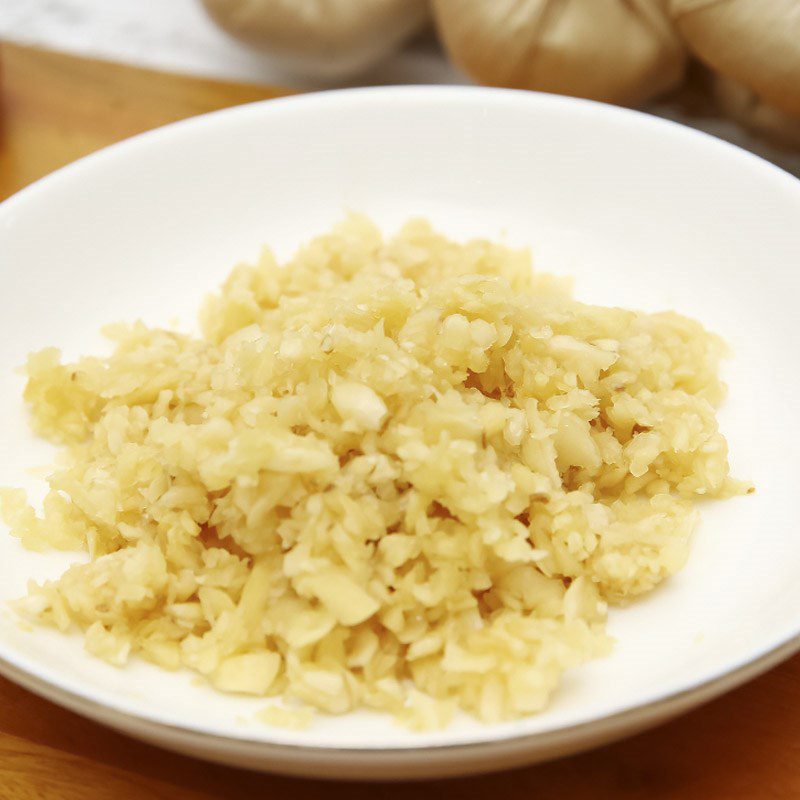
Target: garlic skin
<point x="618" y="51"/>
<point x="753" y="42"/>
<point x="328" y="39"/>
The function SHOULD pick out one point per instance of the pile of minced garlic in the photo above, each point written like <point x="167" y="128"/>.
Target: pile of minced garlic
<point x="407" y="475"/>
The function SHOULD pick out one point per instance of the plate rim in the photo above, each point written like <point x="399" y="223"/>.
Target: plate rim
<point x="662" y="707"/>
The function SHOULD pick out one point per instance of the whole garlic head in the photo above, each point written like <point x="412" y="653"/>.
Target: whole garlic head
<point x="747" y="108"/>
<point x="619" y="51"/>
<point x="753" y="42"/>
<point x="321" y="38"/>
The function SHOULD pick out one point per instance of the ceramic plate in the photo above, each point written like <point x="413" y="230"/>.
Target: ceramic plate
<point x="642" y="212"/>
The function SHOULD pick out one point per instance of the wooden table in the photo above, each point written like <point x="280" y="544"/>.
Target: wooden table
<point x="55" y="108"/>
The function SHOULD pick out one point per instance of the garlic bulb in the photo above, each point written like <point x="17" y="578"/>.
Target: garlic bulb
<point x="620" y="51"/>
<point x="321" y="38"/>
<point x="747" y="108"/>
<point x="753" y="42"/>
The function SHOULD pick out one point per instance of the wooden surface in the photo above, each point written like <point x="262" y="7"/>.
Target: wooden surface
<point x="56" y="108"/>
<point x="745" y="746"/>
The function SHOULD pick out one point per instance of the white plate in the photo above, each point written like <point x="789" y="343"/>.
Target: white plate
<point x="642" y="212"/>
